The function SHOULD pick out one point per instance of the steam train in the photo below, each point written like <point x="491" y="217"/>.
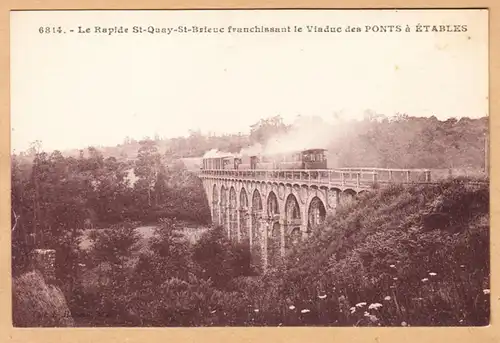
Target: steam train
<point x="310" y="163"/>
<point x="306" y="159"/>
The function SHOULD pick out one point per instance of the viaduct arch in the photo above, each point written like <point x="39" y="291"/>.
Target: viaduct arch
<point x="271" y="217"/>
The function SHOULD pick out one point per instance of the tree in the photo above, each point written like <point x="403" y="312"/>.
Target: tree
<point x="21" y="204"/>
<point x="160" y="187"/>
<point x="114" y="245"/>
<point x="147" y="166"/>
<point x="219" y="259"/>
<point x="264" y="129"/>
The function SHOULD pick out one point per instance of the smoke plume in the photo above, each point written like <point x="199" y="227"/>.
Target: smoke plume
<point x="214" y="153"/>
<point x="305" y="133"/>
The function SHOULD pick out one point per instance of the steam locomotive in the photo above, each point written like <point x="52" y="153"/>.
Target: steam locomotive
<point x="306" y="159"/>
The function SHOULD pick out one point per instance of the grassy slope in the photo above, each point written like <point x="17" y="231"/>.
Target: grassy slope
<point x="379" y="248"/>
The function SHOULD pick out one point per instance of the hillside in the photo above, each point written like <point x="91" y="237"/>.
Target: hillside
<point x="421" y="252"/>
<point x="411" y="142"/>
<point x="400" y="141"/>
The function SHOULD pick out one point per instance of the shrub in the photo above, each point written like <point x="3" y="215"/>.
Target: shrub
<point x="37" y="304"/>
<point x="219" y="259"/>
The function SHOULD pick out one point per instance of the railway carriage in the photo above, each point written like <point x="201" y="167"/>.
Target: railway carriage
<point x="305" y="163"/>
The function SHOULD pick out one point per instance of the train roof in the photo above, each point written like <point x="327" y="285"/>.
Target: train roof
<point x="218" y="157"/>
<point x="217" y="154"/>
<point x="314" y="150"/>
<point x="293" y="152"/>
<point x="228" y="155"/>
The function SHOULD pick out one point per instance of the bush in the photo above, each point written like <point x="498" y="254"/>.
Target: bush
<point x="221" y="260"/>
<point x="36" y="304"/>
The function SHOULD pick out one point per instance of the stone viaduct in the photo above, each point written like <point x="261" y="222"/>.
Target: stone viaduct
<point x="272" y="211"/>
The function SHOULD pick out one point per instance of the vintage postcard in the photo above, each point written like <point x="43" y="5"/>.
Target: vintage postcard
<point x="250" y="168"/>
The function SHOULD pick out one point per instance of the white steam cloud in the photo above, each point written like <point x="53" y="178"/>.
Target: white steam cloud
<point x="254" y="150"/>
<point x="214" y="153"/>
<point x="309" y="132"/>
<point x="305" y="133"/>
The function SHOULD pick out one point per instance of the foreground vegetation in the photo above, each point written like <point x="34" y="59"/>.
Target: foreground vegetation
<point x="374" y="264"/>
<point x="35" y="303"/>
<point x="415" y="255"/>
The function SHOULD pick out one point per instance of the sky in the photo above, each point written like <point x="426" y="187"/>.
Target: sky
<point x="72" y="90"/>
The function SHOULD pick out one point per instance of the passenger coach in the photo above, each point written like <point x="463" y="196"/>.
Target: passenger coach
<point x="310" y="159"/>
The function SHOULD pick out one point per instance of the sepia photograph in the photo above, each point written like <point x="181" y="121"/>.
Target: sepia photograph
<point x="250" y="168"/>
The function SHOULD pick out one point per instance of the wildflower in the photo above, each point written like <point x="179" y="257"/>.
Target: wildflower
<point x="387" y="298"/>
<point x="213" y="311"/>
<point x="291" y="307"/>
<point x="374" y="306"/>
<point x="403" y="324"/>
<point x="361" y="304"/>
<point x="305" y="311"/>
<point x="353" y="309"/>
<point x="486" y="291"/>
<point x="394" y="278"/>
<point x="322" y="296"/>
<point x="392" y="266"/>
<point x="462" y="266"/>
<point x="432" y="274"/>
<point x="256" y="310"/>
<point x="425" y="279"/>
